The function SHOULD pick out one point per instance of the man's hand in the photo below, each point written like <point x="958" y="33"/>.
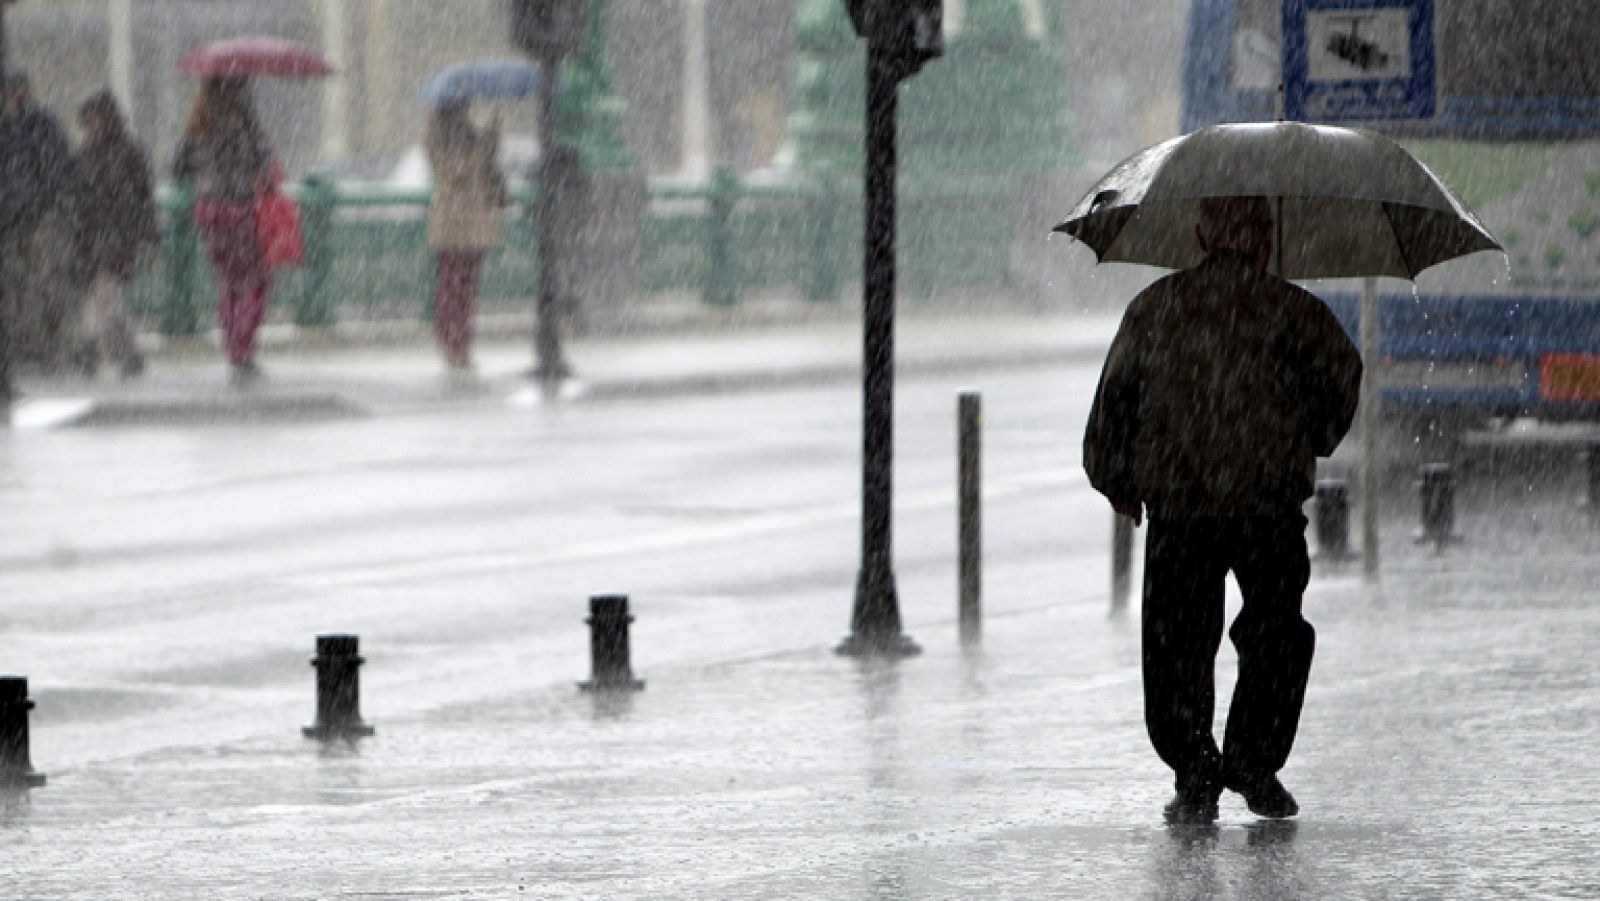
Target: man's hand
<point x="1131" y="509"/>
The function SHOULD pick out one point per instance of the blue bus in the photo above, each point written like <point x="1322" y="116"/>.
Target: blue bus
<point x="1510" y="133"/>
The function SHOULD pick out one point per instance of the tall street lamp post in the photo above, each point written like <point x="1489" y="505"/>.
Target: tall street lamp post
<point x="901" y="35"/>
<point x="5" y="338"/>
<point x="549" y="31"/>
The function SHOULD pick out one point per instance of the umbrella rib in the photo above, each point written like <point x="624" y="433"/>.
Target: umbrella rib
<point x="1399" y="245"/>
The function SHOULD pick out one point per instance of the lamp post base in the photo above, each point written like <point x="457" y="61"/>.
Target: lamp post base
<point x="19" y="780"/>
<point x="894" y="647"/>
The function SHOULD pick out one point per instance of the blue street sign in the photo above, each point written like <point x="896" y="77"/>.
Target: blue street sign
<point x="1358" y="60"/>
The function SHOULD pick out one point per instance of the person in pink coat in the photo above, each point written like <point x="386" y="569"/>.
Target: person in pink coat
<point x="225" y="155"/>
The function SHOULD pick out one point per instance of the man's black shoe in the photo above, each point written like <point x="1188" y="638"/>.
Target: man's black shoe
<point x="1266" y="797"/>
<point x="1184" y="810"/>
<point x="1194" y="804"/>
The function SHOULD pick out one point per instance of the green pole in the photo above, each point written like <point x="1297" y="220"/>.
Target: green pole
<point x="722" y="269"/>
<point x="590" y="110"/>
<point x="179" y="316"/>
<point x="316" y="215"/>
<point x="827" y="206"/>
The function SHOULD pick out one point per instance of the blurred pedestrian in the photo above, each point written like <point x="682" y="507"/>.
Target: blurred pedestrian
<point x="225" y="154"/>
<point x="1222" y="387"/>
<point x="38" y="188"/>
<point x="117" y="221"/>
<point x="464" y="220"/>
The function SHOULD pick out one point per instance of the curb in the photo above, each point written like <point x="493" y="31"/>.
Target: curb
<point x="303" y="404"/>
<point x="243" y="409"/>
<point x="829" y="374"/>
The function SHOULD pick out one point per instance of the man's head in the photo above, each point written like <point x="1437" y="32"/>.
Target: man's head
<point x="1236" y="223"/>
<point x="17" y="90"/>
<point x="99" y="114"/>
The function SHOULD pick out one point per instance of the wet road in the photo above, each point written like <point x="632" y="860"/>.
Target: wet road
<point x="163" y="586"/>
<point x="144" y="566"/>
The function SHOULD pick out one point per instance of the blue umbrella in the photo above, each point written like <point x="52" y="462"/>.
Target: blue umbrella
<point x="482" y="79"/>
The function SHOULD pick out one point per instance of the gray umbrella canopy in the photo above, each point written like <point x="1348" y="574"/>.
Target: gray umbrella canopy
<point x="1353" y="203"/>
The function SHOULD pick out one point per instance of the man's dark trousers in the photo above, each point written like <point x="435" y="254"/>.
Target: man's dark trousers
<point x="1186" y="562"/>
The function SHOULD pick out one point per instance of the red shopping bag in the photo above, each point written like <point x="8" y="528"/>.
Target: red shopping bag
<point x="278" y="229"/>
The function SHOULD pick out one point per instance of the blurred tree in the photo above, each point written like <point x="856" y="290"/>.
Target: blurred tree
<point x="979" y="128"/>
<point x="591" y="113"/>
<point x="997" y="104"/>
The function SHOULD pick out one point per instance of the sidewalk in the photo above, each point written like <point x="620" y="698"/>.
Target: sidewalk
<point x="321" y="376"/>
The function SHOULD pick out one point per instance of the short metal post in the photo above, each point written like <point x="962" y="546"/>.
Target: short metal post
<point x="1332" y="519"/>
<point x="970" y="516"/>
<point x="1593" y="468"/>
<point x="722" y="268"/>
<point x="16" y="766"/>
<point x="338" y="664"/>
<point x="608" y="645"/>
<point x="1438" y="503"/>
<point x="1371" y="415"/>
<point x="1121" y="561"/>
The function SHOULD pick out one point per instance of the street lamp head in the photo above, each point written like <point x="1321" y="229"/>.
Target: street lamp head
<point x="912" y="31"/>
<point x="549" y="29"/>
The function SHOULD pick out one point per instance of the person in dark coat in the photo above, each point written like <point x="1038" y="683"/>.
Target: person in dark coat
<point x="1222" y="387"/>
<point x="117" y="221"/>
<point x="38" y="187"/>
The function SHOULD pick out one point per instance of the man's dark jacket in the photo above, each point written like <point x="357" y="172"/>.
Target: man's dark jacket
<point x="117" y="212"/>
<point x="1222" y="387"/>
<point x="37" y="170"/>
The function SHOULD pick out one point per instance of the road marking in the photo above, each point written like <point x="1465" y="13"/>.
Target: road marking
<point x="49" y="413"/>
<point x="760" y="524"/>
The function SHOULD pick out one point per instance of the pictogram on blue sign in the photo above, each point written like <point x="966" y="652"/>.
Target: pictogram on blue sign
<point x="1358" y="60"/>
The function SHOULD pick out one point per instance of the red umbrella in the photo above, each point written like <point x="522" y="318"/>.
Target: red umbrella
<point x="256" y="56"/>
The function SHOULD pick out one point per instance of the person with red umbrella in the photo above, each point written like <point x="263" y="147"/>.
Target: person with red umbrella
<point x="225" y="155"/>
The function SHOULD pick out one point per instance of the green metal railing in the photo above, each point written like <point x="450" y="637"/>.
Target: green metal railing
<point x="367" y="254"/>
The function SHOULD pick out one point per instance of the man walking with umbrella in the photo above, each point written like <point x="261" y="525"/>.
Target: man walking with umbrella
<point x="1223" y="385"/>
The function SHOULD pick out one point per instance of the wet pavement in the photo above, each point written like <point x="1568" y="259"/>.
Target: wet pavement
<point x="164" y="603"/>
<point x="1446" y="752"/>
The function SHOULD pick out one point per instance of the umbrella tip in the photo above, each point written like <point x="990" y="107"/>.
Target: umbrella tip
<point x="1281" y="102"/>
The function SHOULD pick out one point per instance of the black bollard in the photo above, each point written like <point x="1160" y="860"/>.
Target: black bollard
<point x="16" y="767"/>
<point x="338" y="664"/>
<point x="1332" y="514"/>
<point x="608" y="645"/>
<point x="1594" y="480"/>
<point x="969" y="518"/>
<point x="1438" y="503"/>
